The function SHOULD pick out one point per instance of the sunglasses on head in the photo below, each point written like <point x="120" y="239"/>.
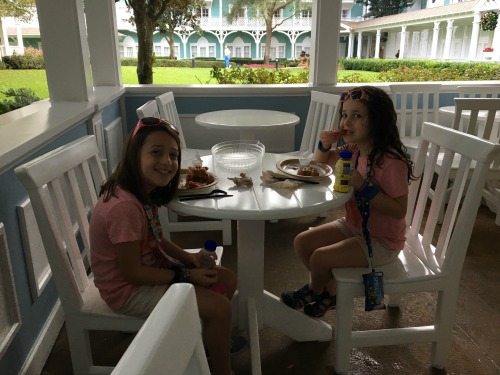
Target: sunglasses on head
<point x="152" y="121"/>
<point x="356" y="95"/>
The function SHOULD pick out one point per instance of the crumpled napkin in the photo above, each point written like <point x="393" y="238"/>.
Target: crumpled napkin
<point x="268" y="178"/>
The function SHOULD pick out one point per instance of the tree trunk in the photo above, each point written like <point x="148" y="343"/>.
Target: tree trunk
<point x="171" y="44"/>
<point x="269" y="36"/>
<point x="145" y="30"/>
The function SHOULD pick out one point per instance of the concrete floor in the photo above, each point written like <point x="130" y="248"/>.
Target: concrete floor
<point x="476" y="339"/>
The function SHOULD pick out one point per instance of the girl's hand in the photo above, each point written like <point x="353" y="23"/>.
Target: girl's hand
<point x="203" y="277"/>
<point x="195" y="259"/>
<point x="329" y="137"/>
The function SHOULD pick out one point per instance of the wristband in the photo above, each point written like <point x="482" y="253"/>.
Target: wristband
<point x="322" y="149"/>
<point x="181" y="275"/>
<point x="368" y="191"/>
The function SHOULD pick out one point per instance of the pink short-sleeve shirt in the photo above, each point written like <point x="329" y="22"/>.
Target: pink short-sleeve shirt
<point x="392" y="179"/>
<point x="119" y="220"/>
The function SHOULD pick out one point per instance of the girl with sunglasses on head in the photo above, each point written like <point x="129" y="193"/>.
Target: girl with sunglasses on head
<point x="381" y="175"/>
<point x="133" y="264"/>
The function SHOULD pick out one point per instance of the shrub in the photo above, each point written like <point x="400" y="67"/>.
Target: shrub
<point x="237" y="75"/>
<point x="32" y="59"/>
<point x="22" y="97"/>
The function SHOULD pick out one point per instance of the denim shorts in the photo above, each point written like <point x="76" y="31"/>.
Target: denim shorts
<point x="381" y="254"/>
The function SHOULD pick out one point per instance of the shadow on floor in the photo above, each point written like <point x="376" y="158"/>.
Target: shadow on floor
<point x="476" y="339"/>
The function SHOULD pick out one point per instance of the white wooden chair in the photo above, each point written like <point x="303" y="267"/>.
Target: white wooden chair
<point x="409" y="98"/>
<point x="153" y="351"/>
<point x="479" y="91"/>
<point x="480" y="117"/>
<point x="323" y="114"/>
<point x="148" y="109"/>
<point x="165" y="106"/>
<point x="168" y="111"/>
<point x="62" y="187"/>
<point x="433" y="255"/>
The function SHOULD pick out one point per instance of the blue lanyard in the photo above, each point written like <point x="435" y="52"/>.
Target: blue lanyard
<point x="364" y="209"/>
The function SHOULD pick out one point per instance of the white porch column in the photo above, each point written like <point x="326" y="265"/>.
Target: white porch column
<point x="65" y="42"/>
<point x="350" y="45"/>
<point x="377" y="45"/>
<point x="325" y="34"/>
<point x="4" y="51"/>
<point x="435" y="40"/>
<point x="20" y="44"/>
<point x="447" y="42"/>
<point x="402" y="42"/>
<point x="496" y="44"/>
<point x="103" y="42"/>
<point x="360" y="45"/>
<point x="474" y="36"/>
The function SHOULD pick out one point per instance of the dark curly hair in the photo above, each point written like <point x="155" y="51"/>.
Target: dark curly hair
<point x="127" y="173"/>
<point x="383" y="128"/>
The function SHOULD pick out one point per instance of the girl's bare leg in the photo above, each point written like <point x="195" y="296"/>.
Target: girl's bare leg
<point x="323" y="248"/>
<point x="215" y="312"/>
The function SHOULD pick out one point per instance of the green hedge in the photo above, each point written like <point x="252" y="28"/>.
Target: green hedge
<point x="32" y="59"/>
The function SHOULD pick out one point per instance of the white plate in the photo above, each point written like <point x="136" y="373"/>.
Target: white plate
<point x="291" y="167"/>
<point x="199" y="190"/>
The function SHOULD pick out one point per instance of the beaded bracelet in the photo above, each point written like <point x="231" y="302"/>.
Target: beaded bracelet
<point x="181" y="275"/>
<point x="322" y="149"/>
<point x="368" y="191"/>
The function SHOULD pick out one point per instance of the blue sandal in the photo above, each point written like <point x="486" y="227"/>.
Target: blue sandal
<point x="324" y="303"/>
<point x="297" y="299"/>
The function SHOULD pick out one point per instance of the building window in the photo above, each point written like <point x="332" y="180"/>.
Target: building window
<point x="306" y="13"/>
<point x="202" y="12"/>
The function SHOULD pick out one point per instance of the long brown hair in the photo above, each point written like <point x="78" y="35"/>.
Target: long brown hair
<point x="127" y="173"/>
<point x="383" y="128"/>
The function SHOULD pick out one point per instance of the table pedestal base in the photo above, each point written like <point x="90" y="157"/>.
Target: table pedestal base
<point x="255" y="307"/>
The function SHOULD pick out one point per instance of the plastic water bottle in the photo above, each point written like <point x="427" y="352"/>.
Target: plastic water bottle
<point x="208" y="256"/>
<point x="343" y="172"/>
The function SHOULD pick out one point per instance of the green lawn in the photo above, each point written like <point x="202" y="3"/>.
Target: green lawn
<point x="37" y="81"/>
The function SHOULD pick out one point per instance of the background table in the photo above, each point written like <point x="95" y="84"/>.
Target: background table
<point x="251" y="207"/>
<point x="247" y="121"/>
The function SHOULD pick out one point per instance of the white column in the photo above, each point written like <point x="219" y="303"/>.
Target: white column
<point x="377" y="45"/>
<point x="496" y="44"/>
<point x="474" y="36"/>
<point x="65" y="50"/>
<point x="325" y="34"/>
<point x="435" y="40"/>
<point x="447" y="42"/>
<point x="402" y="42"/>
<point x="5" y="39"/>
<point x="360" y="45"/>
<point x="103" y="42"/>
<point x="20" y="44"/>
<point x="350" y="45"/>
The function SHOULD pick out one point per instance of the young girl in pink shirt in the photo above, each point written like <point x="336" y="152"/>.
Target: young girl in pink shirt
<point x="133" y="264"/>
<point x="380" y="179"/>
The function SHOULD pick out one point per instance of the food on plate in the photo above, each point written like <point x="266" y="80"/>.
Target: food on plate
<point x="197" y="176"/>
<point x="307" y="171"/>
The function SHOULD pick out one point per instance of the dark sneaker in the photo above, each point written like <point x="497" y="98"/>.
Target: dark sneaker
<point x="238" y="344"/>
<point x="324" y="303"/>
<point x="297" y="299"/>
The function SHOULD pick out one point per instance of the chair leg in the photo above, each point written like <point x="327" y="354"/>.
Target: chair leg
<point x="343" y="330"/>
<point x="81" y="353"/>
<point x="445" y="317"/>
<point x="227" y="236"/>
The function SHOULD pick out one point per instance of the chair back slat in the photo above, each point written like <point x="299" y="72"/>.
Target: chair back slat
<point x="148" y="109"/>
<point x="62" y="188"/>
<point x="322" y="115"/>
<point x="443" y="247"/>
<point x="168" y="111"/>
<point x="419" y="96"/>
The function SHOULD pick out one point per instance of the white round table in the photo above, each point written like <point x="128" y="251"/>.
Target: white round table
<point x="247" y="121"/>
<point x="251" y="207"/>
